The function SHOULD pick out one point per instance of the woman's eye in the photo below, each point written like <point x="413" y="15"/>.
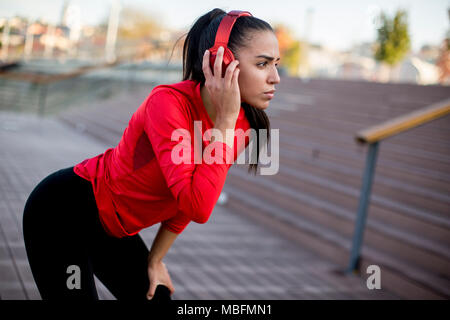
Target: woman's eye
<point x="262" y="63"/>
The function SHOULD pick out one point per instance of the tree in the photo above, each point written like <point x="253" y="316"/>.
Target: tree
<point x="140" y="34"/>
<point x="290" y="50"/>
<point x="443" y="62"/>
<point x="138" y="24"/>
<point x="393" y="41"/>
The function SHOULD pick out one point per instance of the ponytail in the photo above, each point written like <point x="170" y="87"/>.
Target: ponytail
<point x="192" y="51"/>
<point x="201" y="37"/>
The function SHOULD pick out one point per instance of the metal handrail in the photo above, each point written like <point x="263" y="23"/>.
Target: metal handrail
<point x="44" y="80"/>
<point x="403" y="123"/>
<point x="49" y="78"/>
<point x="373" y="136"/>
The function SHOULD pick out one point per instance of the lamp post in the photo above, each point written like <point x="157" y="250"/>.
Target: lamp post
<point x="111" y="36"/>
<point x="5" y="40"/>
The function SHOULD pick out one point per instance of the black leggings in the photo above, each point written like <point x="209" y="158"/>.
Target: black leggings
<point x="64" y="239"/>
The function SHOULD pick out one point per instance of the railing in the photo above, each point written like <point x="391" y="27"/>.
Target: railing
<point x="44" y="80"/>
<point x="373" y="136"/>
<point x="27" y="90"/>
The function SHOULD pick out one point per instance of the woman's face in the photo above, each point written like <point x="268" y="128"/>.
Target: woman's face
<point x="258" y="72"/>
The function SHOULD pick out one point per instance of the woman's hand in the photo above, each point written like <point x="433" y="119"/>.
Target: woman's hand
<point x="224" y="92"/>
<point x="158" y="274"/>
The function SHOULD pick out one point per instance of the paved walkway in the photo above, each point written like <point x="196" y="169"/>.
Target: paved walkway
<point x="230" y="257"/>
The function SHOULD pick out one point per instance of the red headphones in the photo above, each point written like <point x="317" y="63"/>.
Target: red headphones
<point x="222" y="37"/>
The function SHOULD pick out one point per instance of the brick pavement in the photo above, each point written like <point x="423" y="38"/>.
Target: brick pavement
<point x="230" y="257"/>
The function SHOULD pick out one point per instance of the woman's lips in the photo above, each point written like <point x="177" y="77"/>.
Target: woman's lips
<point x="269" y="94"/>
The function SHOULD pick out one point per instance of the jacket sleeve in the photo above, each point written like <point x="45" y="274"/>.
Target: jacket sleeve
<point x="177" y="223"/>
<point x="195" y="186"/>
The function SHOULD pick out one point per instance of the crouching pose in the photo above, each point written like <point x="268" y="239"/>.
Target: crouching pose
<point x="84" y="220"/>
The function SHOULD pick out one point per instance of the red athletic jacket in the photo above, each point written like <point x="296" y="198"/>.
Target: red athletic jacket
<point x="136" y="184"/>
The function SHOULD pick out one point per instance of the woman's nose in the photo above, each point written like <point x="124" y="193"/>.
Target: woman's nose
<point x="274" y="76"/>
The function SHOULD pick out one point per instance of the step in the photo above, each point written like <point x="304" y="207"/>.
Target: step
<point x="427" y="253"/>
<point x="366" y="91"/>
<point x="94" y="129"/>
<point x="430" y="225"/>
<point x="433" y="141"/>
<point x="336" y="247"/>
<point x="399" y="173"/>
<point x="349" y="182"/>
<point x="403" y="150"/>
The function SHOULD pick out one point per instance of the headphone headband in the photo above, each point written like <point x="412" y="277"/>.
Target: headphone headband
<point x="222" y="37"/>
<point x="223" y="33"/>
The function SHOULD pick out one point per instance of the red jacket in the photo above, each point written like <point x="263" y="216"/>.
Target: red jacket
<point x="136" y="184"/>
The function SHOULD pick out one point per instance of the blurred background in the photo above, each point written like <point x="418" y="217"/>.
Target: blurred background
<point x="399" y="41"/>
<point x="72" y="72"/>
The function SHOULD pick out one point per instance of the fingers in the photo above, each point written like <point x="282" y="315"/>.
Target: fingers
<point x="218" y="67"/>
<point x="229" y="74"/>
<point x="171" y="287"/>
<point x="151" y="290"/>
<point x="205" y="66"/>
<point x="218" y="64"/>
<point x="234" y="80"/>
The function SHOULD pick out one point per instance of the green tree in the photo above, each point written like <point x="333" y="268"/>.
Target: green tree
<point x="291" y="50"/>
<point x="136" y="24"/>
<point x="293" y="58"/>
<point x="443" y="62"/>
<point x="393" y="41"/>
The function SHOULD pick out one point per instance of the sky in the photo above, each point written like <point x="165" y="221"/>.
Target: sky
<point x="335" y="24"/>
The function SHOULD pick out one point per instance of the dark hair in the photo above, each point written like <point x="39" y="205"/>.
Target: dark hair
<point x="201" y="37"/>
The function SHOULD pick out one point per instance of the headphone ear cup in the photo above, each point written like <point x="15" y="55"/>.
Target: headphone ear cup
<point x="228" y="57"/>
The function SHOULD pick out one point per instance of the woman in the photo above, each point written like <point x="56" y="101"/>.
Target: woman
<point x="84" y="220"/>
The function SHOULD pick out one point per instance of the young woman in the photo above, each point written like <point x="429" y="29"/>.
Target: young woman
<point x="84" y="220"/>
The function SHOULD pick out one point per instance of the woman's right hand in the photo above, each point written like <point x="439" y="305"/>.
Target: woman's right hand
<point x="158" y="274"/>
<point x="224" y="92"/>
